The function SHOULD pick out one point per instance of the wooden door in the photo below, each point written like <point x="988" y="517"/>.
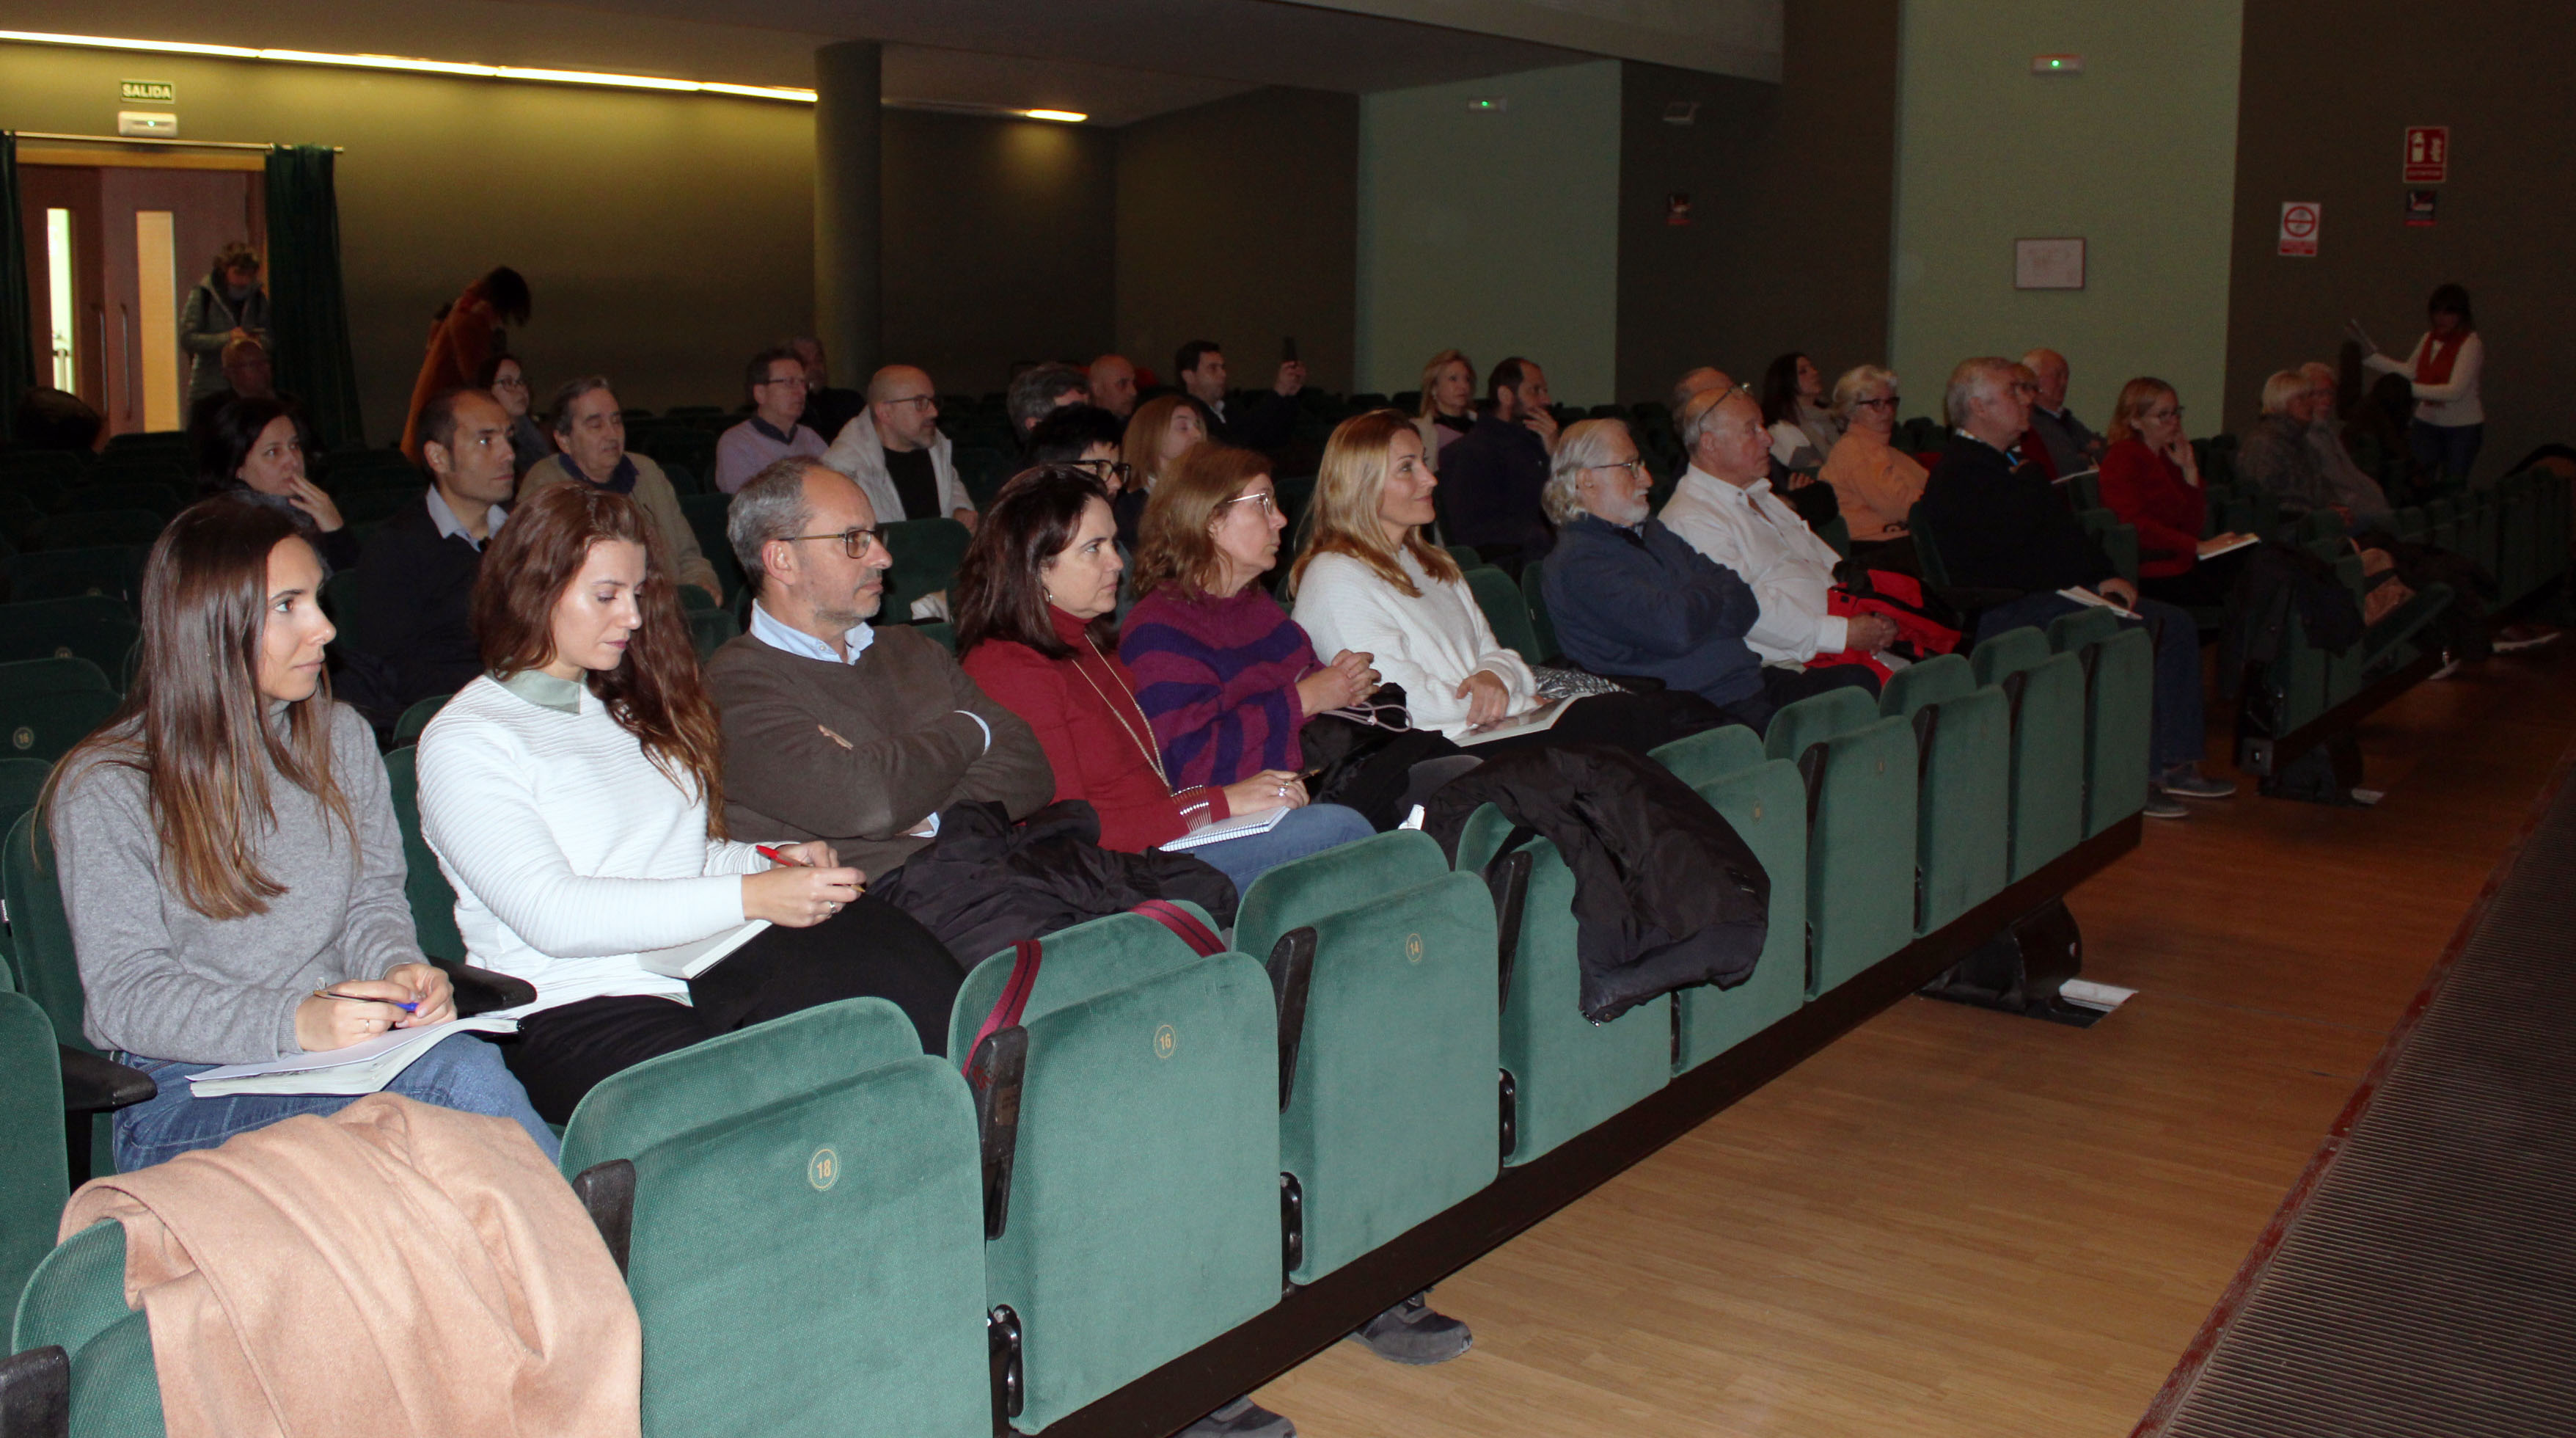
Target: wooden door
<point x="143" y="237"/>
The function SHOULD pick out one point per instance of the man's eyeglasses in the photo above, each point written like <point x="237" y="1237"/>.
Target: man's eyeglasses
<point x="918" y="399"/>
<point x="797" y="380"/>
<point x="854" y="542"/>
<point x="1259" y="497"/>
<point x="1636" y="467"/>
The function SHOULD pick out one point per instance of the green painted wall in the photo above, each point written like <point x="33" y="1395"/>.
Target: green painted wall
<point x="2137" y="155"/>
<point x="1493" y="232"/>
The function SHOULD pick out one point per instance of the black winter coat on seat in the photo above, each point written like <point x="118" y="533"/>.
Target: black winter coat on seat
<point x="1666" y="893"/>
<point x="986" y="883"/>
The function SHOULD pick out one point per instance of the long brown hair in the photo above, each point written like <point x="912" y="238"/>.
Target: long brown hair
<point x="655" y="692"/>
<point x="1175" y="538"/>
<point x="1146" y="429"/>
<point x="1000" y="592"/>
<point x="1342" y="517"/>
<point x="195" y="723"/>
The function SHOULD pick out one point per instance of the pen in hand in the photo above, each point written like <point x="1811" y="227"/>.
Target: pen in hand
<point x="779" y="856"/>
<point x="409" y="1008"/>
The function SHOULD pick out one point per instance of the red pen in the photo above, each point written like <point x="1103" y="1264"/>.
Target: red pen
<point x="776" y="857"/>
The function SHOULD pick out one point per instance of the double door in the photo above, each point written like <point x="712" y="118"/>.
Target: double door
<point x="113" y="248"/>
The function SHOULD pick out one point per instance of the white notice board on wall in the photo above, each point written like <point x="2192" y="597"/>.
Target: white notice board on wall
<point x="2050" y="264"/>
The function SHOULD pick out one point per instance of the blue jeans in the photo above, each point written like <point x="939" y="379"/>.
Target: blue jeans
<point x="463" y="1073"/>
<point x="2180" y="734"/>
<point x="1310" y="830"/>
<point x="2448" y="448"/>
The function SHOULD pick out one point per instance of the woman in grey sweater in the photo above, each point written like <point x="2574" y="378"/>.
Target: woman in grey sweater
<point x="229" y="858"/>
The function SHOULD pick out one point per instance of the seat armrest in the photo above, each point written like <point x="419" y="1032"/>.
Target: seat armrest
<point x="480" y="991"/>
<point x="92" y="1084"/>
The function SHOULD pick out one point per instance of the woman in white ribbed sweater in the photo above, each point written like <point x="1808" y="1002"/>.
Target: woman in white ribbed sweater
<point x="573" y="799"/>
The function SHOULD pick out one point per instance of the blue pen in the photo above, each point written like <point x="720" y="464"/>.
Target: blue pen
<point x="410" y="1008"/>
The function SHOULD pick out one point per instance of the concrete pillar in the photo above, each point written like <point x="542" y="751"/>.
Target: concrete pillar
<point x="848" y="80"/>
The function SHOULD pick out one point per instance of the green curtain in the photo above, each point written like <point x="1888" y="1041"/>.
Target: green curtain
<point x="308" y="310"/>
<point x="17" y="327"/>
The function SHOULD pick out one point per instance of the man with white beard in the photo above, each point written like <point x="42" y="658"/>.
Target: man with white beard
<point x="1629" y="597"/>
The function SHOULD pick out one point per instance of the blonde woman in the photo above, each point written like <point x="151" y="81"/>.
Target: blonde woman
<point x="1370" y="579"/>
<point x="1448" y="403"/>
<point x="1875" y="483"/>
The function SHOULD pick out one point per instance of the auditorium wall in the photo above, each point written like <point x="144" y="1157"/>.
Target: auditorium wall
<point x="666" y="237"/>
<point x="1788" y="189"/>
<point x="2330" y="88"/>
<point x="2137" y="155"/>
<point x="1238" y="222"/>
<point x="999" y="238"/>
<point x="1494" y="230"/>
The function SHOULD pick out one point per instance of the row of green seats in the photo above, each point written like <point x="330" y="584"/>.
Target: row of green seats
<point x="1165" y="1137"/>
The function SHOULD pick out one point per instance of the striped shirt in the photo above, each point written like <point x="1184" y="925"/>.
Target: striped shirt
<point x="1217" y="678"/>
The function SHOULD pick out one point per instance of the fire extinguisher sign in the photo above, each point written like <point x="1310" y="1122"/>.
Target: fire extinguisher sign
<point x="2428" y="154"/>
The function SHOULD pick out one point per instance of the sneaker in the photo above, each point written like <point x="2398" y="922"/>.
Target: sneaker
<point x="1241" y="1418"/>
<point x="2160" y="807"/>
<point x="2187" y="782"/>
<point x="2515" y="638"/>
<point x="1414" y="1332"/>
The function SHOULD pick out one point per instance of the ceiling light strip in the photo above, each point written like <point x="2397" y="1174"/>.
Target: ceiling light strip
<point x="431" y="67"/>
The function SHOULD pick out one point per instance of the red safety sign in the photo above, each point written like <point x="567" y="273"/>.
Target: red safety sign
<point x="2299" y="220"/>
<point x="2428" y="154"/>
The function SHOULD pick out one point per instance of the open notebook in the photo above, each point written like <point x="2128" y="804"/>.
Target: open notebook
<point x="1224" y="829"/>
<point x="1535" y="721"/>
<point x="358" y="1069"/>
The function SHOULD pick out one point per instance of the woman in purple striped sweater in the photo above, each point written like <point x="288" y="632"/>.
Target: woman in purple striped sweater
<point x="1225" y="676"/>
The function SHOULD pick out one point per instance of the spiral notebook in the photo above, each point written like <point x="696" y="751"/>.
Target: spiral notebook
<point x="358" y="1069"/>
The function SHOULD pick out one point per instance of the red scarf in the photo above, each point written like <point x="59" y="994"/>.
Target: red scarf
<point x="2435" y="366"/>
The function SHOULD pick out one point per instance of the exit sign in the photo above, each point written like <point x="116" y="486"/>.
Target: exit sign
<point x="154" y="92"/>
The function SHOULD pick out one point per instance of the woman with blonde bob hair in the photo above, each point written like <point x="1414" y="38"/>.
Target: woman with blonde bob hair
<point x="229" y="858"/>
<point x="1448" y="407"/>
<point x="2151" y="479"/>
<point x="1370" y="579"/>
<point x="1874" y="482"/>
<point x="573" y="798"/>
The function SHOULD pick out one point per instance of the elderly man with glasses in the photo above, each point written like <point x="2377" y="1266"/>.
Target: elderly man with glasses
<point x="775" y="431"/>
<point x="895" y="451"/>
<point x="835" y="729"/>
<point x="1629" y="597"/>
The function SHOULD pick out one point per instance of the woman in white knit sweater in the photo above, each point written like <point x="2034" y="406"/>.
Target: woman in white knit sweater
<point x="1370" y="579"/>
<point x="573" y="799"/>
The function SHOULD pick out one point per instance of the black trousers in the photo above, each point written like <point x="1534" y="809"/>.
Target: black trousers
<point x="869" y="949"/>
<point x="1782" y="687"/>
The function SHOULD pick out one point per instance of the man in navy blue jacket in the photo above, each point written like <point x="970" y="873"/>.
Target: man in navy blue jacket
<point x="1629" y="597"/>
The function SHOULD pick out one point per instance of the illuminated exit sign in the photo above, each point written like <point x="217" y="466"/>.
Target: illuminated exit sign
<point x="153" y="92"/>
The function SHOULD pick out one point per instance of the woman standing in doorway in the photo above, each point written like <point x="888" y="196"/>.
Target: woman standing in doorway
<point x="227" y="305"/>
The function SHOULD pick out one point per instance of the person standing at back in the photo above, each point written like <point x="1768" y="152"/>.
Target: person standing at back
<point x="226" y="306"/>
<point x="466" y="333"/>
<point x="776" y="380"/>
<point x="2445" y="367"/>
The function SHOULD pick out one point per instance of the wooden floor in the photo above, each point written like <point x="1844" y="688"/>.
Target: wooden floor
<point x="1954" y="1222"/>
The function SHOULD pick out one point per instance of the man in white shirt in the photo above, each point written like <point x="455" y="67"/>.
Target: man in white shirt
<point x="1725" y="508"/>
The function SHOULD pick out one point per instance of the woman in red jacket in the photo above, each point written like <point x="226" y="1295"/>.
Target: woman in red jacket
<point x="1036" y="601"/>
<point x="2151" y="479"/>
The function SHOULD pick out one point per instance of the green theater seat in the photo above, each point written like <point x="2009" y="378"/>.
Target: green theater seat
<point x="1140" y="1217"/>
<point x="113" y="571"/>
<point x="1711" y="754"/>
<point x="806" y="1228"/>
<point x="2119" y="711"/>
<point x="69" y="674"/>
<point x="91" y="627"/>
<point x="46" y="725"/>
<point x="1505" y="610"/>
<point x="1542" y="629"/>
<point x="1860" y="781"/>
<point x="433" y="902"/>
<point x="926" y="555"/>
<point x="1963" y="800"/>
<point x="76" y="1301"/>
<point x="1388" y="1113"/>
<point x="1767" y="804"/>
<point x="1565" y="1073"/>
<point x="2046" y="690"/>
<point x="34" y="1179"/>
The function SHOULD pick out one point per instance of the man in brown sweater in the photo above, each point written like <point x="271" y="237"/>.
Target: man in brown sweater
<point x="834" y="729"/>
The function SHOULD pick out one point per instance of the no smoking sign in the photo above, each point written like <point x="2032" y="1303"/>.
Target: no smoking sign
<point x="2299" y="223"/>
